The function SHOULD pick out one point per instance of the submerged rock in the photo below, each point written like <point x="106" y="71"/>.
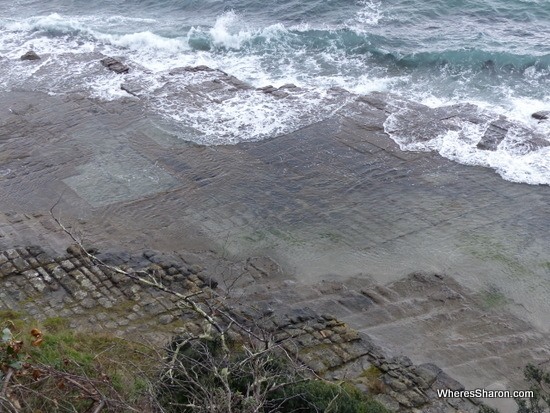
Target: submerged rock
<point x="494" y="135"/>
<point x="288" y="86"/>
<point x="30" y="55"/>
<point x="114" y="65"/>
<point x="267" y="89"/>
<point x="413" y="123"/>
<point x="541" y="115"/>
<point x="131" y="88"/>
<point x="278" y="92"/>
<point x="200" y="68"/>
<point x="192" y="69"/>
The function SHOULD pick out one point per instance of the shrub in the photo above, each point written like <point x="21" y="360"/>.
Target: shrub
<point x="202" y="376"/>
<point x="539" y="384"/>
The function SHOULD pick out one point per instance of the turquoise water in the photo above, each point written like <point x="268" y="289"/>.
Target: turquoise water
<point x="492" y="51"/>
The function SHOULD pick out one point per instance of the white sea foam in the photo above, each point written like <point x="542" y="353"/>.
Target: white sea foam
<point x="511" y="160"/>
<point x="146" y="42"/>
<point x="246" y="115"/>
<point x="52" y="22"/>
<point x="73" y="46"/>
<point x="369" y="14"/>
<point x="230" y="31"/>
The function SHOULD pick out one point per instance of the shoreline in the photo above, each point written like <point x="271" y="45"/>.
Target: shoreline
<point x="334" y="203"/>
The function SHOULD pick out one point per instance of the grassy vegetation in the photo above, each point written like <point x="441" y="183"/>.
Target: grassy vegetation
<point x="72" y="371"/>
<point x="251" y="380"/>
<point x="372" y="378"/>
<point x="321" y="396"/>
<point x="121" y="370"/>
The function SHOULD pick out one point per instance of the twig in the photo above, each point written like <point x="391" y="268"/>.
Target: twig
<point x="99" y="407"/>
<point x="184" y="298"/>
<point x="4" y="390"/>
<point x="6" y="382"/>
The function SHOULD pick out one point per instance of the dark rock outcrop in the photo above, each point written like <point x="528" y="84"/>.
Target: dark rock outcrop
<point x="30" y="55"/>
<point x="415" y="122"/>
<point x="193" y="69"/>
<point x="114" y="65"/>
<point x="494" y="135"/>
<point x="541" y="115"/>
<point x="278" y="92"/>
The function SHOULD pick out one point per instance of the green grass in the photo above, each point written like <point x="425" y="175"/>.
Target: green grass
<point x="372" y="378"/>
<point x="122" y="367"/>
<point x="321" y="396"/>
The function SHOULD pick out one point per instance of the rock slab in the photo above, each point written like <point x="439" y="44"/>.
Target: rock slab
<point x="114" y="65"/>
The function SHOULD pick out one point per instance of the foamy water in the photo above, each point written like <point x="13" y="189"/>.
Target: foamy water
<point x="350" y="48"/>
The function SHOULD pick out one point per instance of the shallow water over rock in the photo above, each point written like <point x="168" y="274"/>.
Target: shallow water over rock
<point x="333" y="200"/>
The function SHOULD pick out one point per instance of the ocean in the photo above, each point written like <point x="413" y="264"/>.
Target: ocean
<point x="494" y="54"/>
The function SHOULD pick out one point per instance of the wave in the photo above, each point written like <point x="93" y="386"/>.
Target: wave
<point x="514" y="159"/>
<point x="53" y="25"/>
<point x="232" y="32"/>
<point x="146" y="41"/>
<point x="357" y="53"/>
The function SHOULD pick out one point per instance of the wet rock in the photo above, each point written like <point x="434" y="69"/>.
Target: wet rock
<point x="88" y="303"/>
<point x="195" y="269"/>
<point x="414" y="122"/>
<point x="541" y="115"/>
<point x="172" y="271"/>
<point x="260" y="267"/>
<point x="132" y="89"/>
<point x="7" y="269"/>
<point x="35" y="250"/>
<point x="494" y="135"/>
<point x="267" y="89"/>
<point x="115" y="258"/>
<point x="76" y="250"/>
<point x="289" y="86"/>
<point x="12" y="254"/>
<point x="277" y="92"/>
<point x="499" y="129"/>
<point x="114" y="65"/>
<point x="415" y="399"/>
<point x="388" y="402"/>
<point x="166" y="319"/>
<point x="148" y="254"/>
<point x="403" y="361"/>
<point x="428" y="372"/>
<point x="67" y="265"/>
<point x="193" y="69"/>
<point x="444" y="381"/>
<point x="376" y="100"/>
<point x="207" y="282"/>
<point x="395" y="384"/>
<point x="30" y="55"/>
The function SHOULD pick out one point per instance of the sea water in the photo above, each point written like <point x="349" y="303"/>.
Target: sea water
<point x="492" y="53"/>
